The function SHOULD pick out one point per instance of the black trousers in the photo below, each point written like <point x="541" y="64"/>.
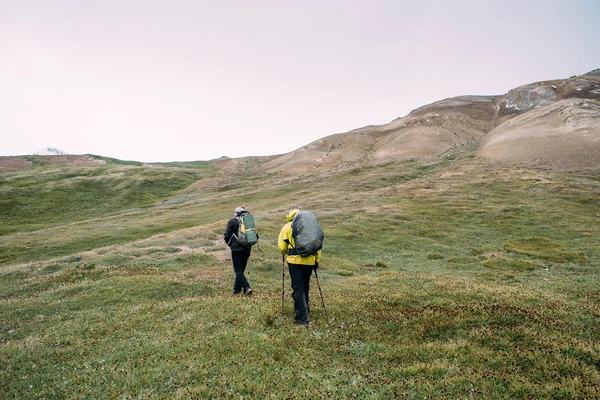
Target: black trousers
<point x="240" y="261"/>
<point x="300" y="275"/>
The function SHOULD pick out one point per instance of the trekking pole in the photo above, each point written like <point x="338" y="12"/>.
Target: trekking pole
<point x="321" y="292"/>
<point x="282" y="282"/>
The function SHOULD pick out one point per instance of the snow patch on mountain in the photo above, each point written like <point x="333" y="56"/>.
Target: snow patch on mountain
<point x="50" y="151"/>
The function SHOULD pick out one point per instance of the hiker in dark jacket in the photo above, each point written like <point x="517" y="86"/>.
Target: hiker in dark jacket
<point x="239" y="253"/>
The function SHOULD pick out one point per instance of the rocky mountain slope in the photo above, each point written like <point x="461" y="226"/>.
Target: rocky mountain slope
<point x="554" y="124"/>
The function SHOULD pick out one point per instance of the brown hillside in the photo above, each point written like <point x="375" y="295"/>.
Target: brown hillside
<point x="500" y="124"/>
<point x="14" y="162"/>
<point x="427" y="132"/>
<point x="65" y="160"/>
<point x="564" y="135"/>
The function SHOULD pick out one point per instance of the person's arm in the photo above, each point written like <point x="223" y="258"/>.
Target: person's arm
<point x="228" y="232"/>
<point x="318" y="257"/>
<point x="282" y="242"/>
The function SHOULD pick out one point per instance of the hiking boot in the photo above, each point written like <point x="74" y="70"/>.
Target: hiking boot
<point x="248" y="292"/>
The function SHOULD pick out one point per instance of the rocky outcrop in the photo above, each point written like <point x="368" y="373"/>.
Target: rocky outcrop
<point x="528" y="97"/>
<point x="595" y="72"/>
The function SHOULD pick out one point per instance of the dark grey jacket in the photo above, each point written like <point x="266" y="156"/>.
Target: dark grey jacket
<point x="230" y="235"/>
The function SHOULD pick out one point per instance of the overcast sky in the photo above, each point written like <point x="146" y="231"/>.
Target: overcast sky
<point x="181" y="80"/>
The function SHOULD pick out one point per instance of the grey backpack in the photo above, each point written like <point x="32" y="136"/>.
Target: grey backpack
<point x="307" y="234"/>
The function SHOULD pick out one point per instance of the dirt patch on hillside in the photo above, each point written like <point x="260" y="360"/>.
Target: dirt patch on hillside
<point x="14" y="162"/>
<point x="68" y="160"/>
<point x="417" y="143"/>
<point x="331" y="153"/>
<point x="222" y="256"/>
<point x="64" y="160"/>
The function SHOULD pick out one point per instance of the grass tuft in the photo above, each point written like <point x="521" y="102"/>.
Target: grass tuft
<point x="543" y="248"/>
<point x="510" y="263"/>
<point x="435" y="256"/>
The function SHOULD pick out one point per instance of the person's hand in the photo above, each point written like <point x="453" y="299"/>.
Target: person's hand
<point x="316" y="265"/>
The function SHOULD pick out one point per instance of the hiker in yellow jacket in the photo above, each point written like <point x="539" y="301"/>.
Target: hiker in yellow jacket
<point x="300" y="268"/>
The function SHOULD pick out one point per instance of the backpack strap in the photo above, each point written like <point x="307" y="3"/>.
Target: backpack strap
<point x="231" y="238"/>
<point x="291" y="249"/>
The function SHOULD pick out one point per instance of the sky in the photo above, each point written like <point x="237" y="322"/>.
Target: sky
<point x="189" y="80"/>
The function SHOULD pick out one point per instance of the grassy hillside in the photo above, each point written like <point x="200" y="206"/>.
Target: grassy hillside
<point x="450" y="279"/>
<point x="47" y="200"/>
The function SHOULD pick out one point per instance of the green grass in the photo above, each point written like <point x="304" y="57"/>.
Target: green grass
<point x="509" y="263"/>
<point x="31" y="201"/>
<point x="541" y="247"/>
<point x="448" y="280"/>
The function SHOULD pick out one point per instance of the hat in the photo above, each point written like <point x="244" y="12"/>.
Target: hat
<point x="293" y="213"/>
<point x="239" y="210"/>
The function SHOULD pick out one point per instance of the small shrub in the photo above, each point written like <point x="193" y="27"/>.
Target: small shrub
<point x="113" y="260"/>
<point x="462" y="260"/>
<point x="511" y="277"/>
<point x="269" y="320"/>
<point x="435" y="256"/>
<point x="381" y="264"/>
<point x="49" y="269"/>
<point x="167" y="250"/>
<point x="6" y="258"/>
<point x="477" y="252"/>
<point x="510" y="263"/>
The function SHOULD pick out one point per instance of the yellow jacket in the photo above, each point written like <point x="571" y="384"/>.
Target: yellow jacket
<point x="286" y="240"/>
